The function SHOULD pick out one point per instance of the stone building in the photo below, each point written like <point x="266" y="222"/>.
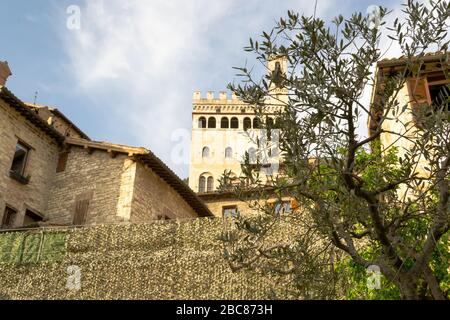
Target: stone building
<point x="223" y="130"/>
<point x="52" y="173"/>
<point x="418" y="94"/>
<point x="423" y="91"/>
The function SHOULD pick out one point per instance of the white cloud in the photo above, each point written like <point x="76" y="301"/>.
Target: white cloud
<point x="145" y="57"/>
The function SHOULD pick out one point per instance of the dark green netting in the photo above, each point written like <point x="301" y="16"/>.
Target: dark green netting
<point x="32" y="247"/>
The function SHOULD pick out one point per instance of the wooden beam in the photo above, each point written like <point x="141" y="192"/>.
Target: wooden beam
<point x="112" y="153"/>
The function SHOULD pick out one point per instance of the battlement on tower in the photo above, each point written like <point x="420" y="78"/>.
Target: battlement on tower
<point x="224" y="102"/>
<point x="210" y="96"/>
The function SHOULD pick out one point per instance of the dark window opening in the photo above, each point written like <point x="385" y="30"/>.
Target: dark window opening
<point x="247" y="124"/>
<point x="234" y="123"/>
<point x="440" y="96"/>
<point x="255" y="123"/>
<point x="224" y="123"/>
<point x="202" y="122"/>
<point x="9" y="217"/>
<point x="211" y="122"/>
<point x="31" y="218"/>
<point x="20" y="159"/>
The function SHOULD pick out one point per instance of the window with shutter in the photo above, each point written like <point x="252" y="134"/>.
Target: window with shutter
<point x="420" y="97"/>
<point x="62" y="161"/>
<point x="81" y="209"/>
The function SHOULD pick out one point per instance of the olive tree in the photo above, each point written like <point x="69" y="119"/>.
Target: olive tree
<point x="358" y="198"/>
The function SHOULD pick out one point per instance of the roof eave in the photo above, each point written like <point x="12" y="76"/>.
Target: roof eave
<point x="21" y="107"/>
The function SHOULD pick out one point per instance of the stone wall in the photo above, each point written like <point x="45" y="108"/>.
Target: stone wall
<point x="216" y="204"/>
<point x="153" y="197"/>
<point x="121" y="190"/>
<point x="158" y="260"/>
<point x="41" y="164"/>
<point x="96" y="173"/>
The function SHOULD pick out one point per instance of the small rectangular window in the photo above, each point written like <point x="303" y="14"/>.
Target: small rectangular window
<point x="31" y="218"/>
<point x="9" y="216"/>
<point x="62" y="161"/>
<point x="20" y="159"/>
<point x="229" y="211"/>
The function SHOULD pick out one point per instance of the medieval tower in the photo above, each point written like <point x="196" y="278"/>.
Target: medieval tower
<point x="222" y="131"/>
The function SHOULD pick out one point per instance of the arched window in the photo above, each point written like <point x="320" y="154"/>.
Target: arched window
<point x="202" y="122"/>
<point x="228" y="152"/>
<point x="224" y="124"/>
<point x="210" y="184"/>
<point x="270" y="122"/>
<point x="205" y="152"/>
<point x="255" y="123"/>
<point x="247" y="123"/>
<point x="211" y="122"/>
<point x="201" y="184"/>
<point x="252" y="156"/>
<point x="234" y="123"/>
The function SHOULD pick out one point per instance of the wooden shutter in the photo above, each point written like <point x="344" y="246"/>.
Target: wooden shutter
<point x="418" y="89"/>
<point x="62" y="161"/>
<point x="294" y="204"/>
<point x="419" y="96"/>
<point x="81" y="210"/>
<point x="81" y="207"/>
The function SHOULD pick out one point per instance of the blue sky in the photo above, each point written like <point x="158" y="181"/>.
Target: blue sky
<point x="128" y="74"/>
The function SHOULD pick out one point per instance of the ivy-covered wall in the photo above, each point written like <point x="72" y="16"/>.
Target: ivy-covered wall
<point x="160" y="260"/>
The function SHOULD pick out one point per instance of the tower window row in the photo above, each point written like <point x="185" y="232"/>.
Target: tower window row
<point x="233" y="123"/>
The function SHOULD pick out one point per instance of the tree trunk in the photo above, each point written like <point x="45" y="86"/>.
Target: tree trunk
<point x="433" y="283"/>
<point x="408" y="288"/>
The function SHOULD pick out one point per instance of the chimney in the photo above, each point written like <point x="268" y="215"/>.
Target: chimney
<point x="5" y="72"/>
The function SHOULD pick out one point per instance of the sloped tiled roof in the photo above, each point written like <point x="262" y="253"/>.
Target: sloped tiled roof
<point x="59" y="114"/>
<point x="31" y="116"/>
<point x="427" y="58"/>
